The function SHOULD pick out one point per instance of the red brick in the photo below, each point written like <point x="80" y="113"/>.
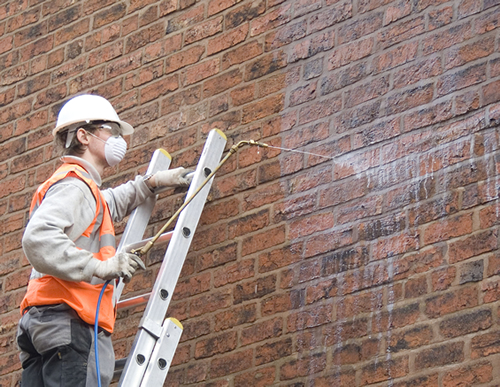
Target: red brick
<point x="163" y="48"/>
<point x="322" y="290"/>
<point x="216" y="6"/>
<point x="458" y="56"/>
<point x="473" y="245"/>
<point x="282" y="302"/>
<point x="30" y="34"/>
<point x="402" y="31"/>
<point x="303" y="94"/>
<point x="87" y="80"/>
<point x="234" y="273"/>
<point x="241" y="54"/>
<point x="260" y="378"/>
<point x="366" y="92"/>
<point x="167" y="7"/>
<point x="69" y="33"/>
<point x="227" y="40"/>
<point x="143" y="37"/>
<point x="485" y="345"/>
<point x="185" y="19"/>
<point x="276" y="82"/>
<point x="23" y="19"/>
<point x="461" y="79"/>
<point x="65" y="17"/>
<point x="466" y="323"/>
<point x="211" y="302"/>
<point x="397" y="11"/>
<point x="442" y="279"/>
<point x="342" y="378"/>
<point x="304" y="366"/>
<point x="410" y="339"/>
<point x="395" y="57"/>
<point x="338" y="11"/>
<point x="222" y="83"/>
<point x="123" y="65"/>
<point x="14" y="75"/>
<point x="183" y="58"/>
<point x="203" y="30"/>
<point x="321" y="109"/>
<point x="444" y="354"/>
<point x="428" y="116"/>
<point x="411" y="98"/>
<point x="285" y="35"/>
<point x="243" y="95"/>
<point x="254" y="289"/>
<point x="450" y="302"/>
<point x="262" y="109"/>
<point x="265" y="65"/>
<point x="224" y="342"/>
<point x="310" y="47"/>
<point x="381" y="371"/>
<point x="262" y="331"/>
<point x="471" y="374"/>
<point x="422" y="70"/>
<point x="448" y="228"/>
<point x="440" y="17"/>
<point x="236" y="316"/>
<point x="273" y="19"/>
<point x="232" y="363"/>
<point x="158" y="88"/>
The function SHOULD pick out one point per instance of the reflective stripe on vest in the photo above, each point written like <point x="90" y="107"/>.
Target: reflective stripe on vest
<point x="98" y="238"/>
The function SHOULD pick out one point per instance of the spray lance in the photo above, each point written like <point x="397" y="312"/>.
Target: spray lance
<point x="144" y="250"/>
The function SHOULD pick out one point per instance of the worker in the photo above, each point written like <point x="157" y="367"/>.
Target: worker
<point x="70" y="242"/>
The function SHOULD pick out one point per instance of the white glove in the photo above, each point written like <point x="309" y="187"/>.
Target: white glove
<point x="177" y="177"/>
<point x="121" y="265"/>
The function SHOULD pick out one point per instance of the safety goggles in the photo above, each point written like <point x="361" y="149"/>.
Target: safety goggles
<point x="111" y="127"/>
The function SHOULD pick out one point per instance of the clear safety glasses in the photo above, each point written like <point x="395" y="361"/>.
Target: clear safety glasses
<point x="111" y="127"/>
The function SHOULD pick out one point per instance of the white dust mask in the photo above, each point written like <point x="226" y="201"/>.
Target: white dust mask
<point x="115" y="148"/>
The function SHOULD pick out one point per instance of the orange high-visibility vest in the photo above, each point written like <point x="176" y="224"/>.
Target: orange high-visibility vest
<point x="98" y="238"/>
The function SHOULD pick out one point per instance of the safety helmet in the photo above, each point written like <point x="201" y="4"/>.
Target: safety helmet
<point x="85" y="109"/>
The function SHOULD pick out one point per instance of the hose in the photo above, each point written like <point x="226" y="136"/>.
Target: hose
<point x="96" y="332"/>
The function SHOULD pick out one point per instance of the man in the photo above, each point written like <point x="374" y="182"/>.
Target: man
<point x="69" y="240"/>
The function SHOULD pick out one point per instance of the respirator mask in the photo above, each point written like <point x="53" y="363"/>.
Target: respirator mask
<point x="115" y="146"/>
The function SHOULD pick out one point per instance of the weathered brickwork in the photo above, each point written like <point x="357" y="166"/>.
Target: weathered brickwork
<point x="378" y="267"/>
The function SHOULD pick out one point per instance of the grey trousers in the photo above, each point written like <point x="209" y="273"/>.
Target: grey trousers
<point x="57" y="349"/>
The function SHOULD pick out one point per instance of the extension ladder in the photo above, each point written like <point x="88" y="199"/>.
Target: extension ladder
<point x="157" y="338"/>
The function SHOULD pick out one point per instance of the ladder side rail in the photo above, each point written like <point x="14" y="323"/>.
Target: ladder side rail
<point x="150" y="327"/>
<point x="139" y="218"/>
<point x="163" y="353"/>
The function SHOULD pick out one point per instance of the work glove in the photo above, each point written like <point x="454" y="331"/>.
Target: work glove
<point x="177" y="177"/>
<point x="121" y="265"/>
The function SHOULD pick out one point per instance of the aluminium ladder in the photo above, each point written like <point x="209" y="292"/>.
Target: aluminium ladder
<point x="157" y="339"/>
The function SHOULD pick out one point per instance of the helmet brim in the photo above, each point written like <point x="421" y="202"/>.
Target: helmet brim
<point x="125" y="127"/>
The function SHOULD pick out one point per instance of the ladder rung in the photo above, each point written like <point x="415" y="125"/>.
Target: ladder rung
<point x="133" y="301"/>
<point x="119" y="366"/>
<point x="137" y="245"/>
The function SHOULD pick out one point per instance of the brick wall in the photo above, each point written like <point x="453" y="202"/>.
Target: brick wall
<point x="380" y="267"/>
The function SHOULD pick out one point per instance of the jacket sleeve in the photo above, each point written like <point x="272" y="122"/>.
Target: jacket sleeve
<point x="123" y="199"/>
<point x="65" y="213"/>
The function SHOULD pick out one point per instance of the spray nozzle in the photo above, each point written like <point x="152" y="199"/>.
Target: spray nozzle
<point x="235" y="147"/>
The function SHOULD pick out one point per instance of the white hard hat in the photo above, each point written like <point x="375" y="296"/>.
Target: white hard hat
<point x="86" y="108"/>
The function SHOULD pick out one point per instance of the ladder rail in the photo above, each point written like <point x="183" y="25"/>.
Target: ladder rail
<point x="139" y="218"/>
<point x="151" y="327"/>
